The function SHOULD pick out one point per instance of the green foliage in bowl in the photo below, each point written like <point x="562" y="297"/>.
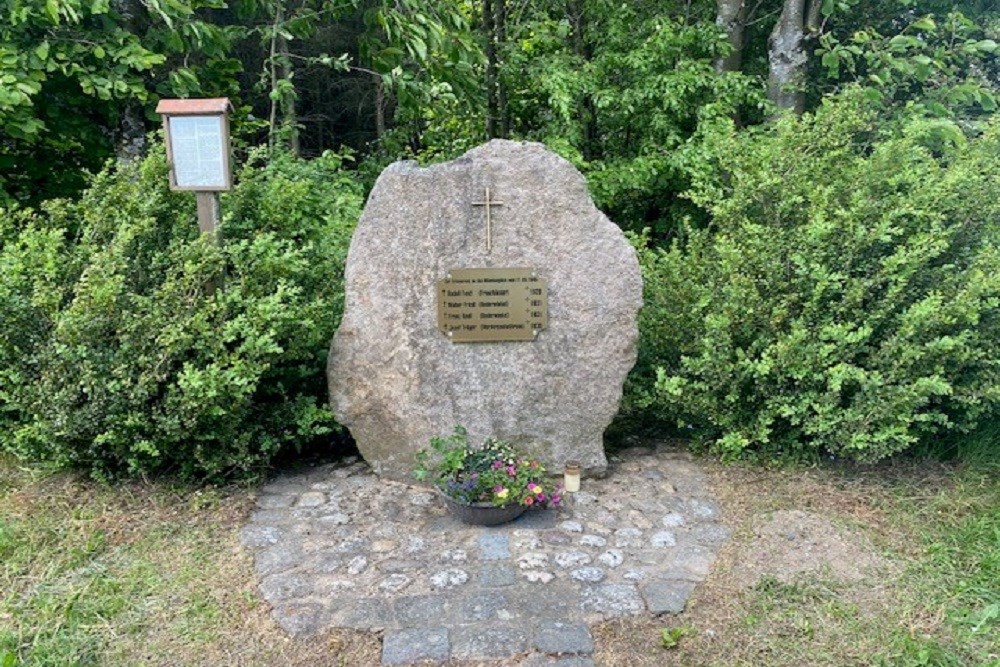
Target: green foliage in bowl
<point x="495" y="473"/>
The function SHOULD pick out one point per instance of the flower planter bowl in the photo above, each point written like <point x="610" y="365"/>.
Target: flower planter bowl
<point x="483" y="514"/>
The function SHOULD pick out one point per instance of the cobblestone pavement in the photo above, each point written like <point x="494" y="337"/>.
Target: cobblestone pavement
<point x="337" y="547"/>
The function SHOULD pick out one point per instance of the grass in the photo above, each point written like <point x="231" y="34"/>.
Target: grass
<point x="141" y="574"/>
<point x="150" y="574"/>
<point x="935" y="600"/>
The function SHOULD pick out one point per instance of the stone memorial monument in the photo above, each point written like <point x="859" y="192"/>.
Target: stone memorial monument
<point x="489" y="292"/>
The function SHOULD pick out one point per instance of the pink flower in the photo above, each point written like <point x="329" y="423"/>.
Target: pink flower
<point x="511" y="470"/>
<point x="529" y="500"/>
<point x="541" y="497"/>
<point x="497" y="465"/>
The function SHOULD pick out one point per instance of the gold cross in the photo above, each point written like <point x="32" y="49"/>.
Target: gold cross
<point x="487" y="202"/>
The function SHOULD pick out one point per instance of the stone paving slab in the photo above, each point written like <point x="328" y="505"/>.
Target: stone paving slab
<point x="337" y="547"/>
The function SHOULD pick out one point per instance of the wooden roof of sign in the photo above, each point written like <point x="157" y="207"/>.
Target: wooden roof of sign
<point x="211" y="105"/>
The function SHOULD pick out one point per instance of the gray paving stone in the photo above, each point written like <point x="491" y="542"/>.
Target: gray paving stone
<point x="549" y="661"/>
<point x="260" y="536"/>
<point x="572" y="558"/>
<point x="533" y="560"/>
<point x="278" y="558"/>
<point x="612" y="558"/>
<point x="311" y="499"/>
<point x="492" y="575"/>
<point x="271" y="501"/>
<point x="404" y="647"/>
<point x="557" y="600"/>
<point x="270" y="517"/>
<point x="695" y="559"/>
<point x="712" y="534"/>
<point x="493" y="545"/>
<point x="300" y="620"/>
<point x="590" y="575"/>
<point x="488" y="640"/>
<point x="357" y="565"/>
<point x="484" y="606"/>
<point x="667" y="597"/>
<point x="449" y="578"/>
<point x="278" y="588"/>
<point x="627" y="536"/>
<point x="395" y="582"/>
<point x="537" y="519"/>
<point x="663" y="538"/>
<point x="399" y="565"/>
<point x="560" y="638"/>
<point x="703" y="508"/>
<point x="361" y="614"/>
<point x="419" y="610"/>
<point x="612" y="600"/>
<point x="556" y="537"/>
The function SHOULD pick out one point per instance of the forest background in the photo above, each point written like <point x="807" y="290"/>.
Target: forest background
<point x="811" y="186"/>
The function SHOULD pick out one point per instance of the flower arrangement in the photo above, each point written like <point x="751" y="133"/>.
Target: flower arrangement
<point x="496" y="473"/>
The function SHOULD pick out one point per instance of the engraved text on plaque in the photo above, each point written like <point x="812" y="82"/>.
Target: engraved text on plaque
<point x="489" y="305"/>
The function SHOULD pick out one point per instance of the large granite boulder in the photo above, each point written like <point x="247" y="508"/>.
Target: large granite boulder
<point x="396" y="379"/>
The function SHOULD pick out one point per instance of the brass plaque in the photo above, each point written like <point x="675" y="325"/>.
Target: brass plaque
<point x="492" y="305"/>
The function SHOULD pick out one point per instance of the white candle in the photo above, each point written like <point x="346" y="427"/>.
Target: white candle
<point x="571" y="477"/>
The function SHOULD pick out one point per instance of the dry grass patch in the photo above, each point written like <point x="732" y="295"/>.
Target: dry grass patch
<point x="821" y="570"/>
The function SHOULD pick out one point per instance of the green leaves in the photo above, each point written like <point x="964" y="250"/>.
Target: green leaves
<point x="120" y="358"/>
<point x="842" y="302"/>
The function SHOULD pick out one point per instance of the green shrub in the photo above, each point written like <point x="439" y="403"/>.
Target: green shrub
<point x="845" y="298"/>
<point x="131" y="344"/>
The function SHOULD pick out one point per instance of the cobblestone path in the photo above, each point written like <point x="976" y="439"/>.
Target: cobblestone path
<point x="336" y="547"/>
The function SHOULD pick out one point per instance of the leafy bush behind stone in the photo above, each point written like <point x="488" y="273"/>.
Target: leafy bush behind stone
<point x="844" y="300"/>
<point x="131" y="344"/>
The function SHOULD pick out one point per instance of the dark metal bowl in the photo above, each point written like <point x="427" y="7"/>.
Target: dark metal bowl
<point x="483" y="514"/>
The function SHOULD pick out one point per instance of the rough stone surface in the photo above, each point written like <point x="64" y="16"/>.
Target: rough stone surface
<point x="396" y="380"/>
<point x="667" y="597"/>
<point x="408" y="646"/>
<point x="524" y="592"/>
<point x="556" y="637"/>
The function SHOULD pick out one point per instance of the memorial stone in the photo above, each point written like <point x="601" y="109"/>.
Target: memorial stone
<point x="489" y="292"/>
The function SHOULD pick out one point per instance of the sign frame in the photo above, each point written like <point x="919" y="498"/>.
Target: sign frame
<point x="217" y="109"/>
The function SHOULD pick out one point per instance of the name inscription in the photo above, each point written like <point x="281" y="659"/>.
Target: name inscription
<point x="492" y="305"/>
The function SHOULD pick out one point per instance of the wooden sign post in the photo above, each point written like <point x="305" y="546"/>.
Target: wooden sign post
<point x="197" y="136"/>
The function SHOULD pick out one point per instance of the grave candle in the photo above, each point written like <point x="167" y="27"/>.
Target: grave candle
<point x="571" y="477"/>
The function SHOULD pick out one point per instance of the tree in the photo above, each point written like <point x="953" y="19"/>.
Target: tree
<point x="67" y="66"/>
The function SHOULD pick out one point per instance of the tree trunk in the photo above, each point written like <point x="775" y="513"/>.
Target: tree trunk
<point x="786" y="53"/>
<point x="130" y="137"/>
<point x="492" y="103"/>
<point x="272" y="124"/>
<point x="289" y="113"/>
<point x="586" y="110"/>
<point x="500" y="39"/>
<point x="731" y="18"/>
<point x="379" y="105"/>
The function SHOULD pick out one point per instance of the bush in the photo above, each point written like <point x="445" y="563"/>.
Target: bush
<point x="845" y="298"/>
<point x="131" y="344"/>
